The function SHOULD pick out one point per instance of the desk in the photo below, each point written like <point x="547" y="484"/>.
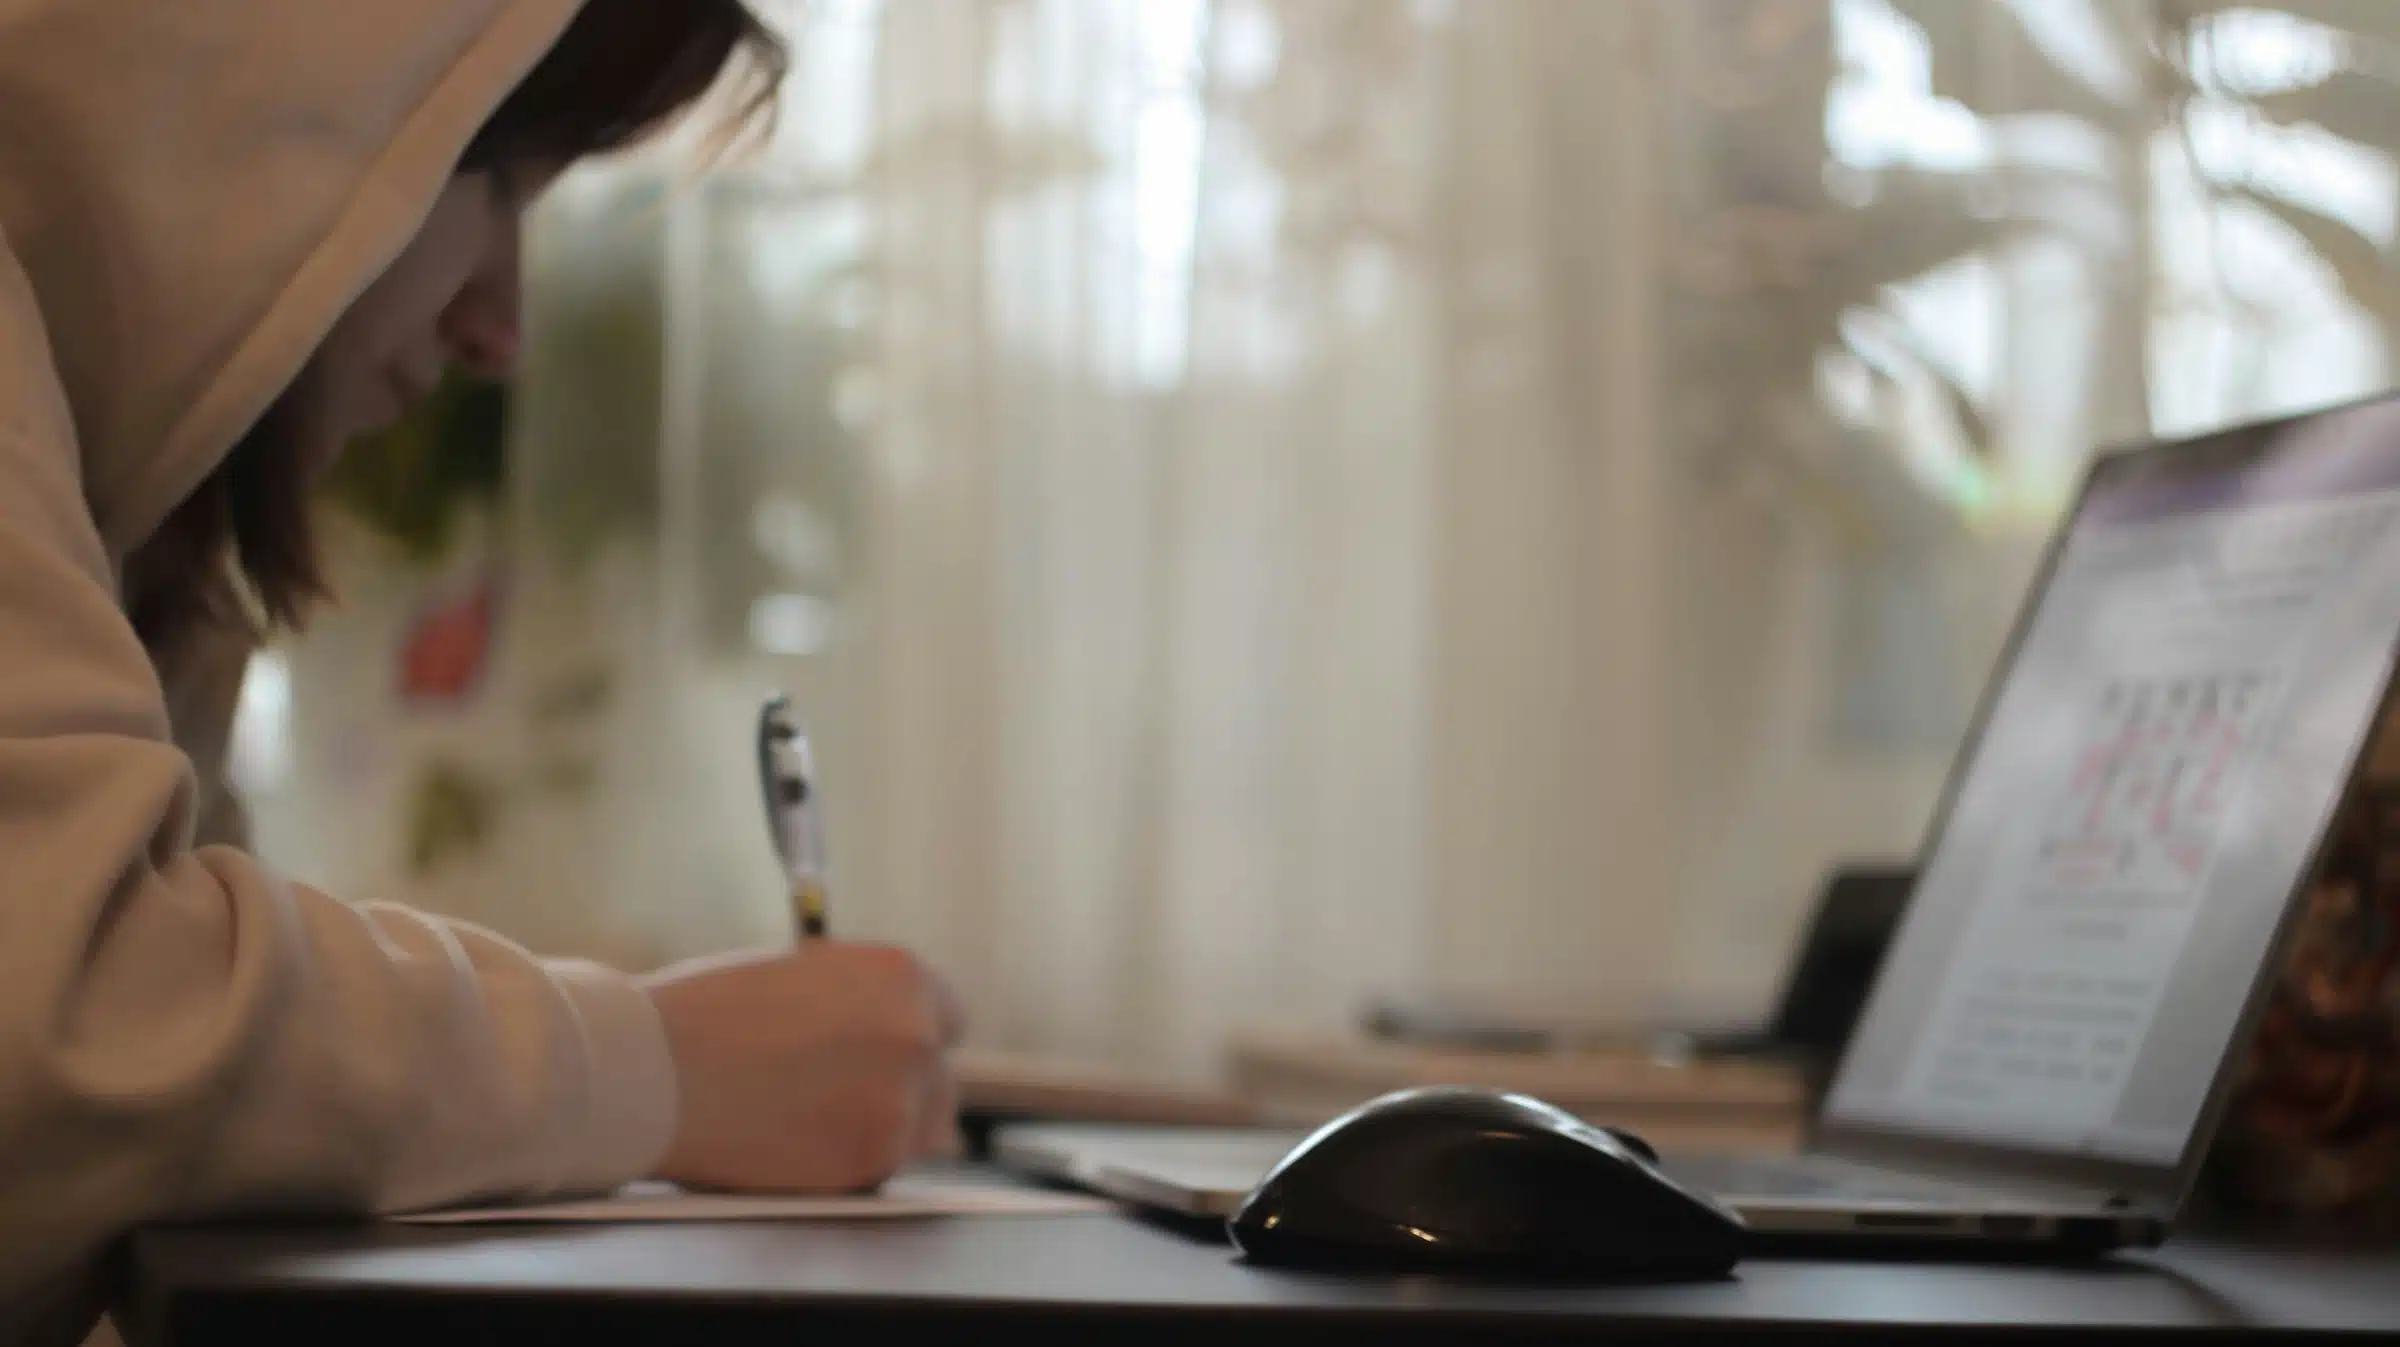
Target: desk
<point x="1111" y="1279"/>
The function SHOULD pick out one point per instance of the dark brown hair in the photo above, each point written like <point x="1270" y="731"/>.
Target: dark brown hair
<point x="622" y="71"/>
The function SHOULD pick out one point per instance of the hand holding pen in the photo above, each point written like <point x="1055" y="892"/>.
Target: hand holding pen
<point x="821" y="1069"/>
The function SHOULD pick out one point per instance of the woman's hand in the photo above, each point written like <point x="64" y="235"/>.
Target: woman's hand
<point x="820" y="1071"/>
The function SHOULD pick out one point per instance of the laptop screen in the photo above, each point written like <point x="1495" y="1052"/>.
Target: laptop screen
<point x="2186" y="698"/>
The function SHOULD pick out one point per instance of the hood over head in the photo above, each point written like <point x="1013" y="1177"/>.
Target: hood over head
<point x="197" y="190"/>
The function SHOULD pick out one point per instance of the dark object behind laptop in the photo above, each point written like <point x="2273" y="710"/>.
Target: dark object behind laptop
<point x="1824" y="989"/>
<point x="1827" y="984"/>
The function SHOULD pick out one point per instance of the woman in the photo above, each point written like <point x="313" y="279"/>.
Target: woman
<point x="234" y="235"/>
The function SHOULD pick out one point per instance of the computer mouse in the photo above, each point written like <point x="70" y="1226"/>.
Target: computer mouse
<point x="1456" y="1179"/>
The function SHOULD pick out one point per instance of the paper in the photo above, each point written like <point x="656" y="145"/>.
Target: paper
<point x="906" y="1196"/>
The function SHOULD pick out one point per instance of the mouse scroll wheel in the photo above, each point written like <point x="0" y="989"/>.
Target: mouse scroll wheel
<point x="1633" y="1143"/>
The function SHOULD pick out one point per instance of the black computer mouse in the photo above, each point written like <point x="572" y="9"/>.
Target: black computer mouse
<point x="1461" y="1179"/>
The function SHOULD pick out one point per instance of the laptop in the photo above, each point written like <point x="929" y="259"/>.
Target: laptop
<point x="2107" y="884"/>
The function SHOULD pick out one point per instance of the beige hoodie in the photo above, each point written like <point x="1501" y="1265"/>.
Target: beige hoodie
<point x="190" y="194"/>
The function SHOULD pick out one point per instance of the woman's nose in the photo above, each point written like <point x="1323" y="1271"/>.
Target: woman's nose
<point x="483" y="332"/>
<point x="484" y="326"/>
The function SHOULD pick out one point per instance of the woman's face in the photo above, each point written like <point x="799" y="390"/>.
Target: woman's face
<point x="451" y="297"/>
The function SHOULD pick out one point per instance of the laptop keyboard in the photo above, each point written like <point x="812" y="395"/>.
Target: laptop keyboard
<point x="1797" y="1176"/>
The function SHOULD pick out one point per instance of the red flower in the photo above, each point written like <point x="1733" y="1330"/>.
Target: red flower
<point x="449" y="647"/>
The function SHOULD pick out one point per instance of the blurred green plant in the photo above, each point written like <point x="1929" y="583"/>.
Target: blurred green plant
<point x="453" y="813"/>
<point x="594" y="379"/>
<point x="412" y="484"/>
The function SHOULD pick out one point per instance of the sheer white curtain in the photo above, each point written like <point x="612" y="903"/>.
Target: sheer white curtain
<point x="1268" y="503"/>
<point x="1255" y="594"/>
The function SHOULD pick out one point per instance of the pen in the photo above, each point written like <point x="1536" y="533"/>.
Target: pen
<point x="787" y="780"/>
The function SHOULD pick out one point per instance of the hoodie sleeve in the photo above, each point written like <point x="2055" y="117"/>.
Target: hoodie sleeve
<point x="183" y="1033"/>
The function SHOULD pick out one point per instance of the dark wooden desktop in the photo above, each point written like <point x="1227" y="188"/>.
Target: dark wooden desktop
<point x="1110" y="1278"/>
